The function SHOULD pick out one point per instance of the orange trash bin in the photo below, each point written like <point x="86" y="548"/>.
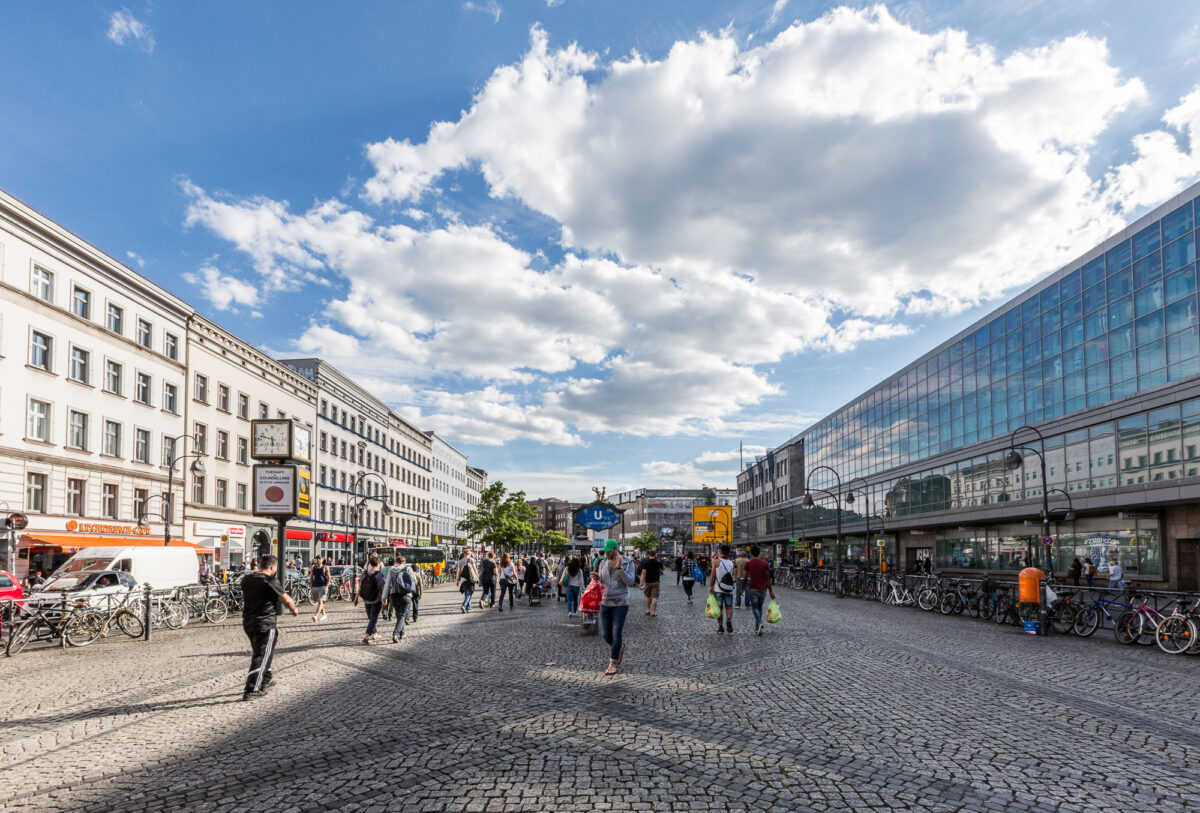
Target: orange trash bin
<point x="1029" y="585"/>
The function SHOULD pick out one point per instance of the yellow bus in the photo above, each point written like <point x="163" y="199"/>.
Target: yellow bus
<point x="430" y="558"/>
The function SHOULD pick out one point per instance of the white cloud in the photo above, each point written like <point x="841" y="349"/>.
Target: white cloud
<point x="223" y="290"/>
<point x="125" y="29"/>
<point x="133" y="255"/>
<point x="717" y="468"/>
<point x="554" y="3"/>
<point x="489" y="7"/>
<point x="776" y="10"/>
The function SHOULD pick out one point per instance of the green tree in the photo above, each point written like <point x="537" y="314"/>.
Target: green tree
<point x="552" y="542"/>
<point x="646" y="541"/>
<point x="502" y="520"/>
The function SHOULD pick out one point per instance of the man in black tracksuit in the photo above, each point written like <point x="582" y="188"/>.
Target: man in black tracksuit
<point x="261" y="597"/>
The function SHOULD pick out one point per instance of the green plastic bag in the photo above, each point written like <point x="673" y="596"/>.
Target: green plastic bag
<point x="773" y="614"/>
<point x="713" y="607"/>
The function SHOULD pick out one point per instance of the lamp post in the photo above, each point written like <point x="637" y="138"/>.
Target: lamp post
<point x="358" y="505"/>
<point x="713" y="518"/>
<point x="197" y="468"/>
<point x="837" y="503"/>
<point x="1013" y="461"/>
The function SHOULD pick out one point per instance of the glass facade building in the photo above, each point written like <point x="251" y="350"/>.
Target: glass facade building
<point x="1101" y="357"/>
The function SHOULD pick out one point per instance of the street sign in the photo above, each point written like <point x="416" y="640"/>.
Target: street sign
<point x="797" y="539"/>
<point x="881" y="543"/>
<point x="598" y="516"/>
<point x="816" y="544"/>
<point x="712" y="523"/>
<point x="1047" y="541"/>
<point x="276" y="491"/>
<point x="18" y="521"/>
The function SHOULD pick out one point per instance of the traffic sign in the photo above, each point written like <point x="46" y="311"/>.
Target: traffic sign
<point x="1047" y="541"/>
<point x="18" y="521"/>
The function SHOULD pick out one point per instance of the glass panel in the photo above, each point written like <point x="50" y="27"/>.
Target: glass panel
<point x="1123" y="367"/>
<point x="1096" y="350"/>
<point x="1181" y="314"/>
<point x="1132" y="452"/>
<point x="1049" y="297"/>
<point x="1166" y="460"/>
<point x="1179" y="253"/>
<point x="1072" y="308"/>
<point x="1152" y="356"/>
<point x="1093" y="272"/>
<point x="1121" y="311"/>
<point x="1178" y="223"/>
<point x="1103" y="455"/>
<point x="1146" y="240"/>
<point x="1190" y="426"/>
<point x="1095" y="324"/>
<point x="1070" y="285"/>
<point x="1149" y="328"/>
<point x="1183" y="346"/>
<point x="1118" y="257"/>
<point x="1120" y="340"/>
<point x="1149" y="298"/>
<point x="1097" y="377"/>
<point x="1072" y="335"/>
<point x="1147" y="270"/>
<point x="1120" y="284"/>
<point x="1094" y="298"/>
<point x="1181" y="283"/>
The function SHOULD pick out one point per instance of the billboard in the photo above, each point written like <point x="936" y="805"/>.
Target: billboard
<point x="712" y="524"/>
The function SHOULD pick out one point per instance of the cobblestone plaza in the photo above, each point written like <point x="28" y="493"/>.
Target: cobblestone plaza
<point x="843" y="706"/>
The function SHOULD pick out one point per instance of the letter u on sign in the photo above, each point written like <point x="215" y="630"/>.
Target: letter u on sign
<point x="597" y="515"/>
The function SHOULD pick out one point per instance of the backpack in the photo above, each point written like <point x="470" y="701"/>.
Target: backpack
<point x="368" y="588"/>
<point x="1091" y="570"/>
<point x="725" y="582"/>
<point x="404" y="584"/>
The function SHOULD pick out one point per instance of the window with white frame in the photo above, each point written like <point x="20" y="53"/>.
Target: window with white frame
<point x="39" y="421"/>
<point x="35" y="492"/>
<point x="142" y="389"/>
<point x="141" y="499"/>
<point x="112" y="376"/>
<point x="243" y="451"/>
<point x="81" y="365"/>
<point x="222" y="445"/>
<point x="263" y="411"/>
<point x="41" y="284"/>
<point x="198" y="489"/>
<point x="110" y="500"/>
<point x="76" y="497"/>
<point x="222" y="494"/>
<point x="77" y="430"/>
<point x="200" y="389"/>
<point x="114" y="318"/>
<point x="170" y="398"/>
<point x="112" y="438"/>
<point x="171" y="346"/>
<point x="223" y="397"/>
<point x="81" y="302"/>
<point x="41" y="351"/>
<point x="168" y="451"/>
<point x="200" y="438"/>
<point x="141" y="445"/>
<point x="241" y="496"/>
<point x="145" y="334"/>
<point x="243" y="405"/>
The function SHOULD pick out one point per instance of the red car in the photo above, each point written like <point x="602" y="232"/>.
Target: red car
<point x="10" y="588"/>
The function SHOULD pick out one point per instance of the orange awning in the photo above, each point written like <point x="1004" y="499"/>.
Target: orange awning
<point x="76" y="542"/>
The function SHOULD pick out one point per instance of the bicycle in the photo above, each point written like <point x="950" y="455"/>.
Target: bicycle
<point x="930" y="596"/>
<point x="1131" y="625"/>
<point x="53" y="621"/>
<point x="1006" y="609"/>
<point x="957" y="600"/>
<point x="1088" y="620"/>
<point x="1177" y="633"/>
<point x="898" y="594"/>
<point x="94" y="623"/>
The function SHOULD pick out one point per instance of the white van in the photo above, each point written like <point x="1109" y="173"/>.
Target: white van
<point x="117" y="570"/>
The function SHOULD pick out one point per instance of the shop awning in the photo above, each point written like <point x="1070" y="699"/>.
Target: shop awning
<point x="72" y="543"/>
<point x="290" y="534"/>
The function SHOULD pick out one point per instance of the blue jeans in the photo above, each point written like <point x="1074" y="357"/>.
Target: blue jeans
<point x="688" y="584"/>
<point x="756" y="599"/>
<point x="488" y="592"/>
<point x="466" y="603"/>
<point x="373" y="608"/>
<point x="612" y="623"/>
<point x="573" y="598"/>
<point x="510" y="589"/>
<point x="401" y="604"/>
<point x="740" y="591"/>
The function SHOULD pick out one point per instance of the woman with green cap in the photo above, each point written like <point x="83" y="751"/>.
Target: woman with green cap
<point x="617" y="574"/>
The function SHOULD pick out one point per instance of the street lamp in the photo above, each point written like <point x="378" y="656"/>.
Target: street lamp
<point x="713" y="518"/>
<point x="358" y="505"/>
<point x="1013" y="461"/>
<point x="837" y="502"/>
<point x="197" y="468"/>
<point x="872" y="508"/>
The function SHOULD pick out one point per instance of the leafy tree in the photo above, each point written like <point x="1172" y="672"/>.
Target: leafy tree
<point x="552" y="542"/>
<point x="502" y="520"/>
<point x="646" y="541"/>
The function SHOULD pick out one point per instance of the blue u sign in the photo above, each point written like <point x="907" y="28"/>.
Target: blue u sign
<point x="598" y="518"/>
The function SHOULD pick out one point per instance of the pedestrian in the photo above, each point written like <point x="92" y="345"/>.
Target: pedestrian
<point x="1089" y="570"/>
<point x="758" y="586"/>
<point x="651" y="573"/>
<point x="487" y="579"/>
<point x="508" y="580"/>
<point x="370" y="590"/>
<point x="397" y="593"/>
<point x="1075" y="571"/>
<point x="720" y="584"/>
<point x="519" y="564"/>
<point x="33" y="580"/>
<point x="418" y="589"/>
<point x="205" y="571"/>
<point x="532" y="576"/>
<point x="678" y="569"/>
<point x="261" y="597"/>
<point x="689" y="574"/>
<point x="575" y="579"/>
<point x="318" y="585"/>
<point x="1116" y="575"/>
<point x="468" y="577"/>
<point x="739" y="581"/>
<point x="617" y="574"/>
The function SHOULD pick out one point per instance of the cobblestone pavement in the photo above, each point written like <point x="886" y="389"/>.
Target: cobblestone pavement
<point x="843" y="706"/>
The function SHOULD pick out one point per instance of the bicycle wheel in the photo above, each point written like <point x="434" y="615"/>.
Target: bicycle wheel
<point x="1087" y="622"/>
<point x="986" y="608"/>
<point x="23" y="634"/>
<point x="1146" y="630"/>
<point x="973" y="606"/>
<point x="83" y="628"/>
<point x="215" y="610"/>
<point x="130" y="623"/>
<point x="1127" y="628"/>
<point x="1062" y="618"/>
<point x="1175" y="635"/>
<point x="946" y="605"/>
<point x="173" y="615"/>
<point x="927" y="599"/>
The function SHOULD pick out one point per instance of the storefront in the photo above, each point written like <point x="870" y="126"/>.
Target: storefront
<point x="228" y="542"/>
<point x="46" y="551"/>
<point x="298" y="542"/>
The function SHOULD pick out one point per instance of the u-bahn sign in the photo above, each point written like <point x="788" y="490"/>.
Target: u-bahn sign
<point x="598" y="516"/>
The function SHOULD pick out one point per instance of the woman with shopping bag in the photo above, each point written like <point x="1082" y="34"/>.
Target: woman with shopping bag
<point x="617" y="574"/>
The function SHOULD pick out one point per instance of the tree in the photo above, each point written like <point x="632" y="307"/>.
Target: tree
<point x="501" y="520"/>
<point x="646" y="541"/>
<point x="552" y="542"/>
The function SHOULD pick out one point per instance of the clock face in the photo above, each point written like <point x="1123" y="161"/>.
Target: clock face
<point x="303" y="439"/>
<point x="271" y="439"/>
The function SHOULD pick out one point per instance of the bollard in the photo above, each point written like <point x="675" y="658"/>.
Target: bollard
<point x="146" y="613"/>
<point x="66" y="617"/>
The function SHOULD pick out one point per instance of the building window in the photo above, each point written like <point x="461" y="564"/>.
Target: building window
<point x="145" y="334"/>
<point x="263" y="411"/>
<point x="243" y="405"/>
<point x="243" y="450"/>
<point x="222" y="397"/>
<point x="81" y="303"/>
<point x="141" y="497"/>
<point x="115" y="318"/>
<point x="81" y="363"/>
<point x="168" y="451"/>
<point x="77" y="430"/>
<point x="39" y="421"/>
<point x="241" y="496"/>
<point x="112" y="377"/>
<point x="200" y="390"/>
<point x="112" y="438"/>
<point x="324" y="406"/>
<point x="222" y="492"/>
<point x="141" y="392"/>
<point x="41" y="349"/>
<point x="171" y="398"/>
<point x="35" y="492"/>
<point x="222" y="444"/>
<point x="141" y="445"/>
<point x="42" y="284"/>
<point x="324" y="439"/>
<point x="322" y="480"/>
<point x="171" y="347"/>
<point x="110" y="499"/>
<point x="76" y="497"/>
<point x="322" y="511"/>
<point x="198" y="489"/>
<point x="200" y="436"/>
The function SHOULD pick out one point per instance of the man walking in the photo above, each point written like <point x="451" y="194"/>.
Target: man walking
<point x="318" y="585"/>
<point x="758" y="586"/>
<point x="418" y="590"/>
<point x="261" y="597"/>
<point x="678" y="569"/>
<point x="651" y="573"/>
<point x="720" y="584"/>
<point x="397" y="593"/>
<point x="487" y="579"/>
<point x="739" y="581"/>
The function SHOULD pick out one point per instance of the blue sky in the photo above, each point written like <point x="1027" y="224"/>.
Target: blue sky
<point x="637" y="234"/>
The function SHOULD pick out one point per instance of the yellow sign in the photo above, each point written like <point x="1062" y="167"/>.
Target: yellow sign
<point x="304" y="493"/>
<point x="712" y="524"/>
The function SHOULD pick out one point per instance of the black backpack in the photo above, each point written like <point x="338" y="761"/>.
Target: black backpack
<point x="368" y="588"/>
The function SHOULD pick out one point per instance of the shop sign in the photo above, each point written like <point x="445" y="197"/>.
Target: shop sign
<point x="17" y="521"/>
<point x="104" y="528"/>
<point x="217" y="529"/>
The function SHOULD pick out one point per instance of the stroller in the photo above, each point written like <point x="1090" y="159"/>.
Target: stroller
<point x="535" y="595"/>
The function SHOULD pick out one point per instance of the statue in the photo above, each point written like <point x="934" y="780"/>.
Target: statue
<point x="600" y="493"/>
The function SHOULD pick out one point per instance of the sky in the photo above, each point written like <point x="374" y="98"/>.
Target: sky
<point x="598" y="242"/>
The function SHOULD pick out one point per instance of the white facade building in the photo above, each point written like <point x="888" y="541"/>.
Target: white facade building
<point x="92" y="389"/>
<point x="231" y="384"/>
<point x="448" y="492"/>
<point x="410" y="472"/>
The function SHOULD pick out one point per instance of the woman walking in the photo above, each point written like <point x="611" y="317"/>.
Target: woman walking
<point x="689" y="574"/>
<point x="575" y="576"/>
<point x="468" y="577"/>
<point x="508" y="580"/>
<point x="370" y="590"/>
<point x="1075" y="571"/>
<point x="617" y="574"/>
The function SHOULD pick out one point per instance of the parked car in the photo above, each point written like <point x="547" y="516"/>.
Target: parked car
<point x="91" y="587"/>
<point x="10" y="588"/>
